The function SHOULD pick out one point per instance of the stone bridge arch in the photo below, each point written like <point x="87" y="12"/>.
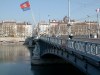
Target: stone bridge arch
<point x="77" y="58"/>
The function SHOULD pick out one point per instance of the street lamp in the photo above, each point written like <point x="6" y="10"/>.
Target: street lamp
<point x="69" y="11"/>
<point x="69" y="25"/>
<point x="97" y="10"/>
<point x="97" y="25"/>
<point x="89" y="27"/>
<point x="48" y="25"/>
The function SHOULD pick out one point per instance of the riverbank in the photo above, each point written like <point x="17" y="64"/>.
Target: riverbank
<point x="12" y="40"/>
<point x="11" y="43"/>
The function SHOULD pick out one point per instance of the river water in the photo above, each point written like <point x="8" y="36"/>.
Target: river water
<point x="15" y="60"/>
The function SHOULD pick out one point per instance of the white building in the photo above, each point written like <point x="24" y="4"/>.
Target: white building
<point x="15" y="29"/>
<point x="43" y="28"/>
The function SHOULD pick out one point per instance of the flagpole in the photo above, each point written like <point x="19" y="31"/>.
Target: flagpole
<point x="34" y="22"/>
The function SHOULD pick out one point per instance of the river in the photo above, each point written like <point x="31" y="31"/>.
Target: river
<point x="15" y="60"/>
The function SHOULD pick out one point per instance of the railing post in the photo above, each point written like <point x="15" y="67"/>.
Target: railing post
<point x="85" y="43"/>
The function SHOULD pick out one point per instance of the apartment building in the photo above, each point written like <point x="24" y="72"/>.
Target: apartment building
<point x="15" y="29"/>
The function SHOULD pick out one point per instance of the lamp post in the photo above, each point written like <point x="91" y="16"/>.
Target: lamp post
<point x="89" y="26"/>
<point x="69" y="25"/>
<point x="68" y="11"/>
<point x="97" y="25"/>
<point x="97" y="10"/>
<point x="48" y="25"/>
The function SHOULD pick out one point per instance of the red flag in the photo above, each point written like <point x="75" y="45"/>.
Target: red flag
<point x="25" y="6"/>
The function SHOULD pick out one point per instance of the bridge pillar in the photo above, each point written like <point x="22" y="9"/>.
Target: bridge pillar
<point x="36" y="52"/>
<point x="35" y="58"/>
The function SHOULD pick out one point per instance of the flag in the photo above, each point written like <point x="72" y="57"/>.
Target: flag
<point x="25" y="6"/>
<point x="98" y="10"/>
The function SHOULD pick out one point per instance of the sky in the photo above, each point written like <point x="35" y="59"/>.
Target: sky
<point x="48" y="9"/>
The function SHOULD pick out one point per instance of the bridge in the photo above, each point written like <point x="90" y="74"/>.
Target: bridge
<point x="83" y="54"/>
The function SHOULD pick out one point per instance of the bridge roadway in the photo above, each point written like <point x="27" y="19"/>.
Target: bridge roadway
<point x="82" y="53"/>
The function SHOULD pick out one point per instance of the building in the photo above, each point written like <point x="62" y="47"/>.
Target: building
<point x="78" y="29"/>
<point x="61" y="28"/>
<point x="15" y="29"/>
<point x="42" y="28"/>
<point x="84" y="29"/>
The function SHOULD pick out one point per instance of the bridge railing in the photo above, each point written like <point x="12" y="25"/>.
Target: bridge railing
<point x="54" y="40"/>
<point x="86" y="47"/>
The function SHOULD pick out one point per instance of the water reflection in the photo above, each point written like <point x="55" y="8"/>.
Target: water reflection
<point x="15" y="60"/>
<point x="14" y="53"/>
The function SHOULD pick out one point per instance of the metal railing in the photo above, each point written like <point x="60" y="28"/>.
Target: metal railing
<point x="86" y="47"/>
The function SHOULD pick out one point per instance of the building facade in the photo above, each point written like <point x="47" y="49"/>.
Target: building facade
<point x="61" y="28"/>
<point x="15" y="29"/>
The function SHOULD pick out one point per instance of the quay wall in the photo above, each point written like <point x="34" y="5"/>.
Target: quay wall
<point x="11" y="40"/>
